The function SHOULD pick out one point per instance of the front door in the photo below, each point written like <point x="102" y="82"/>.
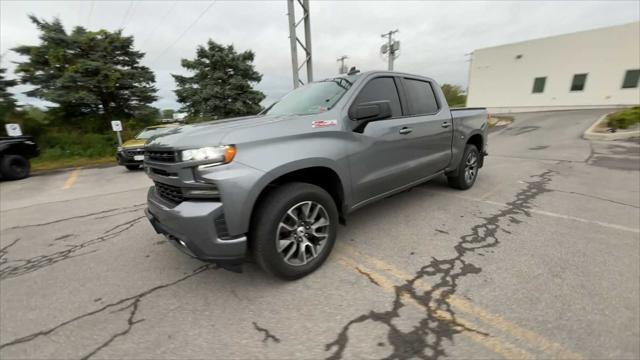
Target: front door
<point x="388" y="148"/>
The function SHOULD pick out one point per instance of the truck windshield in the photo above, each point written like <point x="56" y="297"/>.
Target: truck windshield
<point x="312" y="98"/>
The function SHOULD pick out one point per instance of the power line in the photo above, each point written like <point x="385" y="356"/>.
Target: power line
<point x="90" y="12"/>
<point x="126" y="15"/>
<point x="184" y="32"/>
<point x="160" y="23"/>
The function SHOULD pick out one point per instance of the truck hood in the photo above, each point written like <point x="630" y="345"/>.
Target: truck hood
<point x="234" y="131"/>
<point x="134" y="143"/>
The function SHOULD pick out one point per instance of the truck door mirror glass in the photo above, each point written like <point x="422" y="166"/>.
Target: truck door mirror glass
<point x="371" y="111"/>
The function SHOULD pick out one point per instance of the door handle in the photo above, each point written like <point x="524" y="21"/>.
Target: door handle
<point x="445" y="124"/>
<point x="405" y="130"/>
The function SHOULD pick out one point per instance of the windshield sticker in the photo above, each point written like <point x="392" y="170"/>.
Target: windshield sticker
<point x="323" y="123"/>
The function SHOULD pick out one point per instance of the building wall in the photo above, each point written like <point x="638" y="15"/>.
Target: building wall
<point x="501" y="81"/>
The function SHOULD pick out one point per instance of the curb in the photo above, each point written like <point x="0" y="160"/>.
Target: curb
<point x="591" y="134"/>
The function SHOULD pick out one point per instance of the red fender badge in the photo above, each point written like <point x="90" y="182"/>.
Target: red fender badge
<point x="323" y="123"/>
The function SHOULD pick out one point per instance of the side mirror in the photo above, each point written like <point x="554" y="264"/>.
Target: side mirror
<point x="371" y="111"/>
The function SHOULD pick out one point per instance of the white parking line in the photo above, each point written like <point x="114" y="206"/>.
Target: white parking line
<point x="556" y="215"/>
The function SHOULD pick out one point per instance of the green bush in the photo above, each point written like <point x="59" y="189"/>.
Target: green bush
<point x="60" y="144"/>
<point x="624" y="119"/>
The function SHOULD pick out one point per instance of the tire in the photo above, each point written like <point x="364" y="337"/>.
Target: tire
<point x="282" y="210"/>
<point x="14" y="167"/>
<point x="132" y="167"/>
<point x="461" y="178"/>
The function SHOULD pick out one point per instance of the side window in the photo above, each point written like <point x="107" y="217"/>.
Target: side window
<point x="383" y="88"/>
<point x="631" y="78"/>
<point x="421" y="98"/>
<point x="578" y="82"/>
<point x="538" y="84"/>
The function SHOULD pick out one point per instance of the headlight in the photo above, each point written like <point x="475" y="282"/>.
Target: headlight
<point x="214" y="155"/>
<point x="119" y="148"/>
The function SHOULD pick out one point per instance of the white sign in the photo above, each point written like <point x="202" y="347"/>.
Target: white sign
<point x="116" y="125"/>
<point x="13" y="129"/>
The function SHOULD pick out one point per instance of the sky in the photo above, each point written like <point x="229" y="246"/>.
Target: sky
<point x="436" y="37"/>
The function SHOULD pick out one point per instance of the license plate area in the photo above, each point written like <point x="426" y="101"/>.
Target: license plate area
<point x="138" y="157"/>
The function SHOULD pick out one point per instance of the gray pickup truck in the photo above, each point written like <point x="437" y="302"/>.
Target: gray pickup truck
<point x="276" y="185"/>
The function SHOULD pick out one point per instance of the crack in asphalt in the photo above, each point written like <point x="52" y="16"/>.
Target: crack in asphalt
<point x="368" y="276"/>
<point x="133" y="304"/>
<point x="130" y="323"/>
<point x="5" y="250"/>
<point x="62" y="237"/>
<point x="76" y="217"/>
<point x="426" y="340"/>
<point x="267" y="334"/>
<point x="21" y="267"/>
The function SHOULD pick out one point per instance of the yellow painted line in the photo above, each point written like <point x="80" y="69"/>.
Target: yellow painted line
<point x="494" y="344"/>
<point x="533" y="339"/>
<point x="71" y="179"/>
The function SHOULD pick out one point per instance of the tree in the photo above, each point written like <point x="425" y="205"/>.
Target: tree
<point x="167" y="113"/>
<point x="454" y="94"/>
<point x="221" y="85"/>
<point x="88" y="74"/>
<point x="7" y="102"/>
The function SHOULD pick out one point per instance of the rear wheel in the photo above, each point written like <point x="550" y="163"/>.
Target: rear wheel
<point x="14" y="167"/>
<point x="294" y="230"/>
<point x="132" y="167"/>
<point x="465" y="175"/>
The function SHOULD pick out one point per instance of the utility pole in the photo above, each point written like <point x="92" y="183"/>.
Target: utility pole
<point x="294" y="41"/>
<point x="342" y="69"/>
<point x="391" y="47"/>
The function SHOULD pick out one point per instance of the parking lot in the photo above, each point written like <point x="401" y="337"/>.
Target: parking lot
<point x="540" y="259"/>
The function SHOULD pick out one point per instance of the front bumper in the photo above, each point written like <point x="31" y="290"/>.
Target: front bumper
<point x="191" y="227"/>
<point x="127" y="156"/>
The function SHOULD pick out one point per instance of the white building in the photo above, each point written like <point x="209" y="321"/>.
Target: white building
<point x="587" y="69"/>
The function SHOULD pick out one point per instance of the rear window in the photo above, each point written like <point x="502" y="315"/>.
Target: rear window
<point x="421" y="98"/>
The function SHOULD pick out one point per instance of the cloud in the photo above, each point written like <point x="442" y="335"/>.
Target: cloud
<point x="435" y="36"/>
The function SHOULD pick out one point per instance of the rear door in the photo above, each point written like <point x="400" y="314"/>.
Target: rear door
<point x="389" y="149"/>
<point x="431" y="124"/>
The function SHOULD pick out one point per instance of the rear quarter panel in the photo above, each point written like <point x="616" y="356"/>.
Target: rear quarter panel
<point x="467" y="122"/>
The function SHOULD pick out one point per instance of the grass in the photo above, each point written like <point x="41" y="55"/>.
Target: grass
<point x="624" y="119"/>
<point x="64" y="149"/>
<point x="42" y="164"/>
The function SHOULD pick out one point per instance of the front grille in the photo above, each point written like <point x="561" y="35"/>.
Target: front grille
<point x="163" y="156"/>
<point x="163" y="172"/>
<point x="169" y="193"/>
<point x="134" y="152"/>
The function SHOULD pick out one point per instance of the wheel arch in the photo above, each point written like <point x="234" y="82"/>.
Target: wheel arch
<point x="322" y="175"/>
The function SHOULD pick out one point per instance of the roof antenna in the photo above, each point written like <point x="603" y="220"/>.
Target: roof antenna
<point x="353" y="71"/>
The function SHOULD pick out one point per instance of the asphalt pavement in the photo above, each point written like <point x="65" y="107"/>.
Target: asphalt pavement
<point x="540" y="259"/>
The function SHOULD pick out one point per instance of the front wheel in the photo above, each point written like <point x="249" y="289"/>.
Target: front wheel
<point x="14" y="167"/>
<point x="294" y="230"/>
<point x="465" y="175"/>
